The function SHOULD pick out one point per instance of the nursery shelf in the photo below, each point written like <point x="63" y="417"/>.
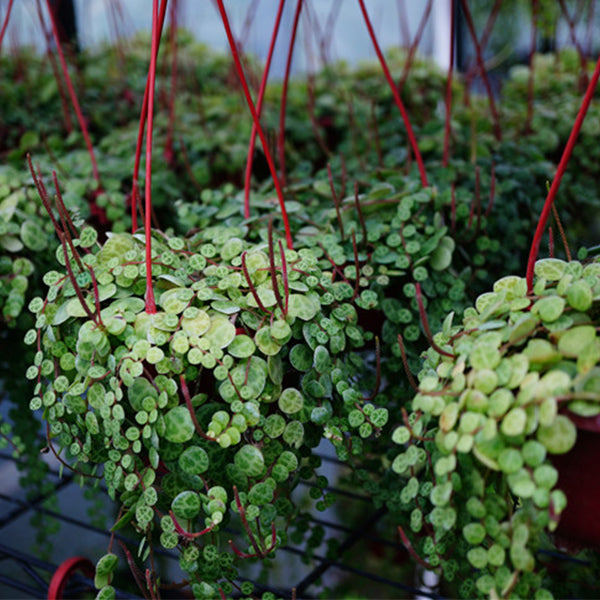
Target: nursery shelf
<point x="22" y="572"/>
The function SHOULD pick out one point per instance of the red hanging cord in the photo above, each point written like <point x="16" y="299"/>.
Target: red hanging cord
<point x="560" y="171"/>
<point x="399" y="103"/>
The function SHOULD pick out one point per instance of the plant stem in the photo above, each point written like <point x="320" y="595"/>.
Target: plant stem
<point x="415" y="43"/>
<point x="138" y="148"/>
<point x="446" y="154"/>
<point x="399" y="103"/>
<point x="261" y="134"/>
<point x="73" y="95"/>
<point x="259" y="102"/>
<point x="482" y="69"/>
<point x="560" y="171"/>
<point x="284" y="90"/>
<point x="6" y="19"/>
<point x="149" y="296"/>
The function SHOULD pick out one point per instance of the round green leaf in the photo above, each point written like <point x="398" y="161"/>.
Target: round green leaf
<point x="559" y="437"/>
<point x="179" y="426"/>
<point x="186" y="505"/>
<point x="250" y="461"/>
<point x="291" y="401"/>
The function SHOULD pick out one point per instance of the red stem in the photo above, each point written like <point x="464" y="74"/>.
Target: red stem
<point x="415" y="43"/>
<point x="74" y="100"/>
<point x="65" y="571"/>
<point x="261" y="134"/>
<point x="6" y="19"/>
<point x="138" y="148"/>
<point x="446" y="154"/>
<point x="399" y="103"/>
<point x="150" y="302"/>
<point x="259" y="102"/>
<point x="284" y="90"/>
<point x="482" y="70"/>
<point x="560" y="171"/>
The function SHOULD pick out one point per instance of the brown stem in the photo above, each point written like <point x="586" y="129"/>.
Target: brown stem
<point x="411" y="379"/>
<point x="272" y="269"/>
<point x="188" y="402"/>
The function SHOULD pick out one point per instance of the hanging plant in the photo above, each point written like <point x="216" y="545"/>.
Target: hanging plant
<point x="202" y="413"/>
<point x="501" y="396"/>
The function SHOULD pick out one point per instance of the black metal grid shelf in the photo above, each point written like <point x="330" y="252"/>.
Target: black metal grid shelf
<point x="23" y="572"/>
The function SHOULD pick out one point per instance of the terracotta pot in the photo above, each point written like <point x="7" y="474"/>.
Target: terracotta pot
<point x="579" y="478"/>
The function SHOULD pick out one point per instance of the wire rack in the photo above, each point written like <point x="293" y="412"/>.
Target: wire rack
<point x="358" y="568"/>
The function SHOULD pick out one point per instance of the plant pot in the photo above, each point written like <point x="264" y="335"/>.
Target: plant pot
<point x="579" y="478"/>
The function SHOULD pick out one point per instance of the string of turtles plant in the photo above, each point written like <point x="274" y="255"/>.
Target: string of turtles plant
<point x="493" y="405"/>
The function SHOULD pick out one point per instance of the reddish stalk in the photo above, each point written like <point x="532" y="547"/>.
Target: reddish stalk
<point x="328" y="29"/>
<point x="248" y="20"/>
<point x="550" y="242"/>
<point x="534" y="20"/>
<point x="273" y="271"/>
<point x="73" y="95"/>
<point x="359" y="212"/>
<point x="572" y="33"/>
<point x="485" y="36"/>
<point x="251" y="284"/>
<point x="59" y="83"/>
<point x="336" y="201"/>
<point x="284" y="90"/>
<point x="415" y="44"/>
<point x="261" y="134"/>
<point x="6" y="19"/>
<point x="284" y="275"/>
<point x="259" y="102"/>
<point x="188" y="402"/>
<point x="409" y="375"/>
<point x="399" y="103"/>
<point x="482" y="69"/>
<point x="135" y="193"/>
<point x="149" y="296"/>
<point x="560" y="171"/>
<point x="412" y="551"/>
<point x="446" y="154"/>
<point x="315" y="29"/>
<point x="404" y="29"/>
